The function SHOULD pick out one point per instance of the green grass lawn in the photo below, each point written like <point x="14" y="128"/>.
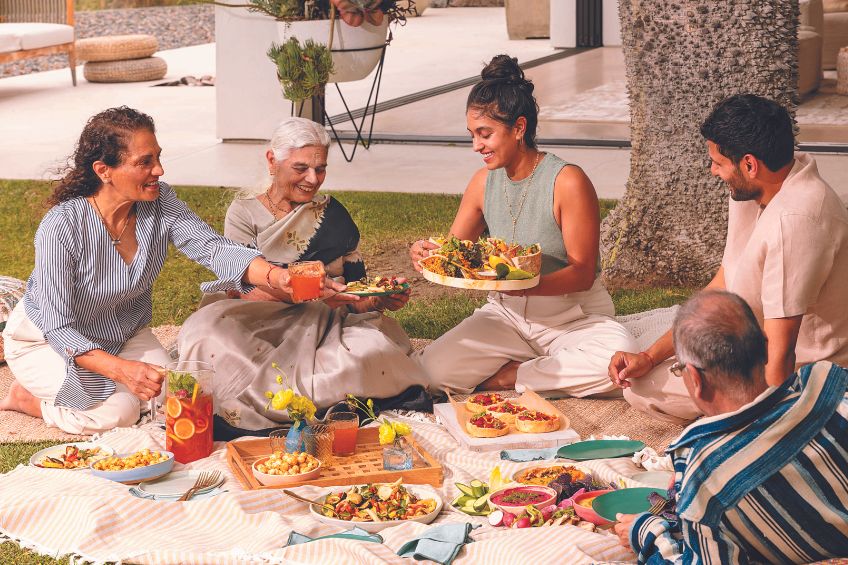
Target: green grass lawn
<point x="386" y="221"/>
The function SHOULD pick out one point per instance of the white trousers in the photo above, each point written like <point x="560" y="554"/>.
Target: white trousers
<point x="564" y="344"/>
<point x="40" y="370"/>
<point x="662" y="395"/>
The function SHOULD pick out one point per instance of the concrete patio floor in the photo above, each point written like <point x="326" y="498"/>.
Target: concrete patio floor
<point x="41" y="115"/>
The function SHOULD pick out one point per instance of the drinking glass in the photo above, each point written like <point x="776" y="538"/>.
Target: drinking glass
<point x="318" y="439"/>
<point x="278" y="439"/>
<point x="188" y="410"/>
<point x="305" y="280"/>
<point x="345" y="428"/>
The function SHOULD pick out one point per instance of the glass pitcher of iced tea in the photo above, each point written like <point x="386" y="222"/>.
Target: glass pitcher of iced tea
<point x="188" y="410"/>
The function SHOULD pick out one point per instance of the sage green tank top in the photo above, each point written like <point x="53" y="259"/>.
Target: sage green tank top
<point x="535" y="222"/>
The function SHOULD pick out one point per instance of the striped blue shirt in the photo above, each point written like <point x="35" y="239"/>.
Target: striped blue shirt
<point x="765" y="484"/>
<point x="83" y="296"/>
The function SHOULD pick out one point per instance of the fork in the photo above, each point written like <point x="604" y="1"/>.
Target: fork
<point x="205" y="480"/>
<point x="658" y="507"/>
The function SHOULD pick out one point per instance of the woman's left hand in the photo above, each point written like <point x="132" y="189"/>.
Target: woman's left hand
<point x="392" y="302"/>
<point x="341" y="299"/>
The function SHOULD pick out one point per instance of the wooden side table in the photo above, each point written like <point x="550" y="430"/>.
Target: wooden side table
<point x="842" y="72"/>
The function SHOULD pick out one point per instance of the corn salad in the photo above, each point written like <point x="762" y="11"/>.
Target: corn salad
<point x="141" y="458"/>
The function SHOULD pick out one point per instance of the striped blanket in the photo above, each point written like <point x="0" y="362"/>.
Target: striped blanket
<point x="93" y="519"/>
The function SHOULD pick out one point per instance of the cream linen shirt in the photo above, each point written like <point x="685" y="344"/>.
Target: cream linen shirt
<point x="791" y="258"/>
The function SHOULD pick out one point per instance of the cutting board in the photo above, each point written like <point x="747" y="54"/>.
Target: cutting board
<point x="454" y="416"/>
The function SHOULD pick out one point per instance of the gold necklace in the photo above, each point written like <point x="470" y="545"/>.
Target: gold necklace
<point x="526" y="183"/>
<point x="275" y="210"/>
<point x="115" y="240"/>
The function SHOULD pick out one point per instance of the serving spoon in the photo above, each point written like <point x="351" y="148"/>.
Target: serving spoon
<point x="310" y="502"/>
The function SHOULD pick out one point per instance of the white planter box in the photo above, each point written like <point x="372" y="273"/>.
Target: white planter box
<point x="249" y="99"/>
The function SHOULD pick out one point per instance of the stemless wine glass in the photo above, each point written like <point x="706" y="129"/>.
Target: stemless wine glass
<point x="278" y="439"/>
<point x="318" y="439"/>
<point x="345" y="429"/>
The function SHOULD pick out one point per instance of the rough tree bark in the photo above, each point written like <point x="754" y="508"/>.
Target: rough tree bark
<point x="683" y="56"/>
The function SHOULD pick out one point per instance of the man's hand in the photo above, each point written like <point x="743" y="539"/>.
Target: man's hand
<point x="624" y="366"/>
<point x="143" y="379"/>
<point x="622" y="528"/>
<point x="392" y="302"/>
<point x="421" y="249"/>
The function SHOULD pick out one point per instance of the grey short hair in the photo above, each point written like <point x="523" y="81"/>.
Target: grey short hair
<point x="294" y="133"/>
<point x="716" y="331"/>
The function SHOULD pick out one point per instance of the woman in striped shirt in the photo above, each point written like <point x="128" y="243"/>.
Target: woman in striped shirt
<point x="79" y="343"/>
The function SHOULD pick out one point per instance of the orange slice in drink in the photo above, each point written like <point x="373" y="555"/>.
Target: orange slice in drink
<point x="173" y="407"/>
<point x="200" y="425"/>
<point x="184" y="428"/>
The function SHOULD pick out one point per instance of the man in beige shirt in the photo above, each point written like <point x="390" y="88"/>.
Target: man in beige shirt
<point x="786" y="254"/>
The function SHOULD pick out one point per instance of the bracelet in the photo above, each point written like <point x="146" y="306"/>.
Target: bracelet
<point x="651" y="359"/>
<point x="268" y="276"/>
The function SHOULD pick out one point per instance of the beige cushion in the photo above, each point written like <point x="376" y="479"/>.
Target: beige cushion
<point x="9" y="42"/>
<point x="835" y="36"/>
<point x="116" y="47"/>
<point x="835" y="5"/>
<point x="133" y="70"/>
<point x="34" y="36"/>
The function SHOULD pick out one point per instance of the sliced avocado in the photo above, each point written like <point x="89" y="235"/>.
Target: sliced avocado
<point x="478" y="488"/>
<point x="465" y="489"/>
<point x="502" y="270"/>
<point x="518" y="275"/>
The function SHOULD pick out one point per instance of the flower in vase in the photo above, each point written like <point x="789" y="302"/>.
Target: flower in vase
<point x="298" y="406"/>
<point x="389" y="430"/>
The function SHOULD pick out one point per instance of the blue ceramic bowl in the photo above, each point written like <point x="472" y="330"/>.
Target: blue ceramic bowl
<point x="132" y="476"/>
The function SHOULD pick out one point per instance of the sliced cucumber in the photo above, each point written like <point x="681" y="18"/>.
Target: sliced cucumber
<point x="481" y="503"/>
<point x="467" y="490"/>
<point x="462" y="499"/>
<point x="478" y="489"/>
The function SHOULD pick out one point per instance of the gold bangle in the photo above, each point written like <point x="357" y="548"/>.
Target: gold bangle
<point x="268" y="276"/>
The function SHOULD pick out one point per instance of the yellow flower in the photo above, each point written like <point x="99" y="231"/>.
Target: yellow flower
<point x="279" y="379"/>
<point x="401" y="428"/>
<point x="269" y="394"/>
<point x="282" y="399"/>
<point x="387" y="433"/>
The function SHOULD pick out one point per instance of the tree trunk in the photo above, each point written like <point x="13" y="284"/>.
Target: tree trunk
<point x="682" y="57"/>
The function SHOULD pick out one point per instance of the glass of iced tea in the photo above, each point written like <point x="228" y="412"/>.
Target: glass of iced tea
<point x="345" y="429"/>
<point x="188" y="410"/>
<point x="306" y="277"/>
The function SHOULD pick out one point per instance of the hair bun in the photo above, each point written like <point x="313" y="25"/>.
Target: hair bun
<point x="504" y="67"/>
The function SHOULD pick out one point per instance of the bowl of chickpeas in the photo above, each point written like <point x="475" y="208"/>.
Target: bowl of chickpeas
<point x="283" y="468"/>
<point x="143" y="465"/>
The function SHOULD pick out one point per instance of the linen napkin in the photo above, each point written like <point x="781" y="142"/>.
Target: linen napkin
<point x="354" y="533"/>
<point x="439" y="543"/>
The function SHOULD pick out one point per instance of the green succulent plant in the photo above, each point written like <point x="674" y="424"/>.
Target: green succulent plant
<point x="302" y="70"/>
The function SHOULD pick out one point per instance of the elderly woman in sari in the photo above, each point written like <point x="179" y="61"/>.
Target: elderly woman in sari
<point x="341" y="345"/>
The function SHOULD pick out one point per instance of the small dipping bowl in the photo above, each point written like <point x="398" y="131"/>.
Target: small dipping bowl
<point x="536" y="495"/>
<point x="586" y="512"/>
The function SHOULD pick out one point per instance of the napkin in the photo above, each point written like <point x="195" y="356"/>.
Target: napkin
<point x="355" y="534"/>
<point x="439" y="543"/>
<point x="522" y="455"/>
<point x="651" y="461"/>
<point x="172" y="498"/>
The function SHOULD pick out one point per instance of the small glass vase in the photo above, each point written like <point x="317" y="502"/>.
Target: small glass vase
<point x="294" y="439"/>
<point x="398" y="455"/>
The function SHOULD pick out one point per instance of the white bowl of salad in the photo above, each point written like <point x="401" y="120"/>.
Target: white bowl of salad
<point x="375" y="507"/>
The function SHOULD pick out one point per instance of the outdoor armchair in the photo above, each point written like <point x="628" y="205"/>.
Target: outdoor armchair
<point x="34" y="28"/>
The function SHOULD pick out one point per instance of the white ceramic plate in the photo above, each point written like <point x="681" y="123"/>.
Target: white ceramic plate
<point x="480" y="284"/>
<point x="58" y="450"/>
<point x="656" y="479"/>
<point x="421" y="491"/>
<point x="175" y="484"/>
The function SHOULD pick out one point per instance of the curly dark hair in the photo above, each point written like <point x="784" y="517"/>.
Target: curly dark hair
<point x="505" y="95"/>
<point x="105" y="137"/>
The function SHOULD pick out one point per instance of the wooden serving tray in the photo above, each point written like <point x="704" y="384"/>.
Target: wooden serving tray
<point x="364" y="466"/>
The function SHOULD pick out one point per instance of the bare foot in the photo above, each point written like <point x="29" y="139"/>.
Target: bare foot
<point x="21" y="400"/>
<point x="503" y="379"/>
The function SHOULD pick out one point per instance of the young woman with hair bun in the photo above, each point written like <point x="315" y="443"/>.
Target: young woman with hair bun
<point x="560" y="334"/>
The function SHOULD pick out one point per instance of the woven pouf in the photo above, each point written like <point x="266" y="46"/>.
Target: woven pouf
<point x="116" y="47"/>
<point x="842" y="71"/>
<point x="135" y="70"/>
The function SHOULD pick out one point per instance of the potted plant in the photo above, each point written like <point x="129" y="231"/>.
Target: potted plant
<point x="249" y="101"/>
<point x="303" y="72"/>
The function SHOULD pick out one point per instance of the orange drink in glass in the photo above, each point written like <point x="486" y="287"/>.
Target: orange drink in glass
<point x="188" y="410"/>
<point x="345" y="429"/>
<point x="306" y="277"/>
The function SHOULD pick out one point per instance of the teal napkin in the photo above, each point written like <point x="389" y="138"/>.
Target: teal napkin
<point x="439" y="543"/>
<point x="355" y="534"/>
<point x="522" y="455"/>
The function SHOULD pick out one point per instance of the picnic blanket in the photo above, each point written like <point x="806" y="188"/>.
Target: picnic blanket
<point x="97" y="520"/>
